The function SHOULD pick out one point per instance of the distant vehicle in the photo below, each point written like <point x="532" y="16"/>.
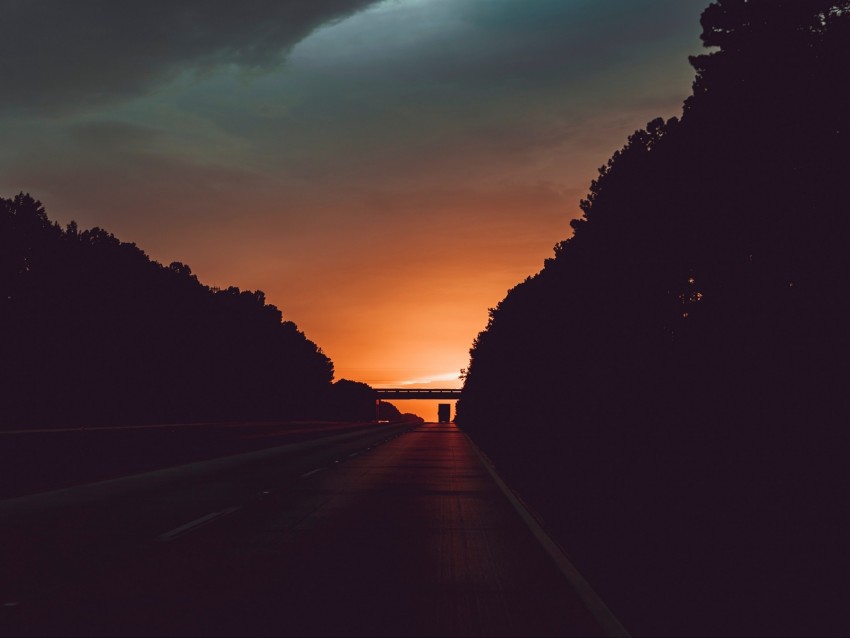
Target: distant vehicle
<point x="444" y="412"/>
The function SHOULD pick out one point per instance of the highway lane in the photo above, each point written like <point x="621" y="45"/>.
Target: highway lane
<point x="412" y="537"/>
<point x="49" y="540"/>
<point x="40" y="459"/>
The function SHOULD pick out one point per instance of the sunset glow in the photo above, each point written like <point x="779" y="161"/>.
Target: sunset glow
<point x="384" y="174"/>
<point x="448" y="380"/>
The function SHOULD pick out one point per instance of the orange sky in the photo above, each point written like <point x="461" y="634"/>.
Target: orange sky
<point x="385" y="171"/>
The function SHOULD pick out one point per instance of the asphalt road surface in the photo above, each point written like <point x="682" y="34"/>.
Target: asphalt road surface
<point x="397" y="530"/>
<point x="35" y="460"/>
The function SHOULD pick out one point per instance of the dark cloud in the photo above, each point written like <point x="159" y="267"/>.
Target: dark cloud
<point x="59" y="56"/>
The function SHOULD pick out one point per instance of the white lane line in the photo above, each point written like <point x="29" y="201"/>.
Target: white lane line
<point x="353" y="454"/>
<point x="609" y="623"/>
<point x="311" y="472"/>
<point x="191" y="525"/>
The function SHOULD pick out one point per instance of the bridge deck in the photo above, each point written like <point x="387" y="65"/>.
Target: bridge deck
<point x="418" y="393"/>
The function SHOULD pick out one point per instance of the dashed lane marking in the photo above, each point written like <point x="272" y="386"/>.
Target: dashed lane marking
<point x="311" y="472"/>
<point x="193" y="525"/>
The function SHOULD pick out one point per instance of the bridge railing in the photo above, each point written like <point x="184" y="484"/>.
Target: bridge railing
<point x="418" y="393"/>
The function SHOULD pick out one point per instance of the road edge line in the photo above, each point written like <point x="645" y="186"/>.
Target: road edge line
<point x="608" y="622"/>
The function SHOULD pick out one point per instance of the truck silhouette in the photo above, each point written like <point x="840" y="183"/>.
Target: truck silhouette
<point x="444" y="412"/>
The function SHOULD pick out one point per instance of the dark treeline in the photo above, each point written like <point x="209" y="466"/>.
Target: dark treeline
<point x="358" y="401"/>
<point x="92" y="331"/>
<point x="671" y="390"/>
<point x="389" y="412"/>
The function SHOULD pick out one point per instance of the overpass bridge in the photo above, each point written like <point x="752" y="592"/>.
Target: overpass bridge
<point x="418" y="393"/>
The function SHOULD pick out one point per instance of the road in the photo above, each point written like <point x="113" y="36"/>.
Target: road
<point x="397" y="531"/>
<point x="36" y="460"/>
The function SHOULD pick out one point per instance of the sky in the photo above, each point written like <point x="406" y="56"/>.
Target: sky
<point x="384" y="170"/>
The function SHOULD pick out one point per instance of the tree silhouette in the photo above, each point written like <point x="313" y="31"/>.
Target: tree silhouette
<point x="670" y="389"/>
<point x="93" y="331"/>
<point x="352" y="400"/>
<point x="388" y="412"/>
